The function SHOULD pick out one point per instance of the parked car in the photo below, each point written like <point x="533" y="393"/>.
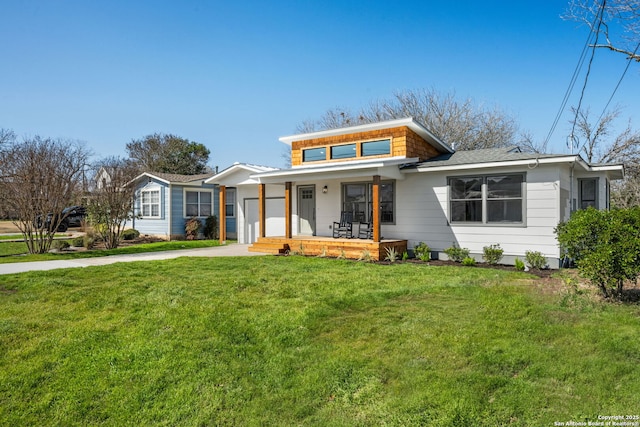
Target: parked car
<point x="72" y="216"/>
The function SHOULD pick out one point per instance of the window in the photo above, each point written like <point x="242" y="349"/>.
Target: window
<point x="314" y="154"/>
<point x="150" y="203"/>
<point x="588" y="193"/>
<point x="376" y="148"/>
<point x="358" y="199"/>
<point x="230" y="203"/>
<point x="487" y="199"/>
<point x="197" y="203"/>
<point x="343" y="151"/>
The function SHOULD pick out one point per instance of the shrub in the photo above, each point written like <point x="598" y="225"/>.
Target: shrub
<point x="422" y="251"/>
<point x="392" y="254"/>
<point x="469" y="262"/>
<point x="519" y="264"/>
<point x="365" y="256"/>
<point x="210" y="230"/>
<point x="130" y="234"/>
<point x="89" y="241"/>
<point x="456" y="253"/>
<point x="405" y="255"/>
<point x="535" y="260"/>
<point x="492" y="254"/>
<point x="60" y="244"/>
<point x="192" y="228"/>
<point x="605" y="246"/>
<point x="77" y="242"/>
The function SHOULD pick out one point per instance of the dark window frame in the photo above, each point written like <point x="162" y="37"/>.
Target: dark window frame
<point x="478" y="207"/>
<point x="388" y="207"/>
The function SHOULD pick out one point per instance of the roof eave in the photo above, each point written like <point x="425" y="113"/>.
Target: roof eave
<point x="408" y="122"/>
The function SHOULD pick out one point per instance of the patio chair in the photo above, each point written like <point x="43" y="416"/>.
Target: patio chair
<point x="344" y="228"/>
<point x="365" y="230"/>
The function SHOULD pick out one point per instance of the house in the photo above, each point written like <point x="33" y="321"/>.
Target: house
<point x="163" y="203"/>
<point x="408" y="187"/>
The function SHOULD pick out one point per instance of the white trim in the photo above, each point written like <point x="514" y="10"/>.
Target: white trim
<point x="199" y="190"/>
<point x="147" y="189"/>
<point x="408" y="122"/>
<point x="220" y="177"/>
<point x="169" y="225"/>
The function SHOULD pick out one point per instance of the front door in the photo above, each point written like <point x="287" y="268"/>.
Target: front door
<point x="307" y="210"/>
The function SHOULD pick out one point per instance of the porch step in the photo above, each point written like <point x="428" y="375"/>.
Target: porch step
<point x="270" y="246"/>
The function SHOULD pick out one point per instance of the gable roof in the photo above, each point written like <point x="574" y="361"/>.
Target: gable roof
<point x="409" y="122"/>
<point x="244" y="169"/>
<point x="173" y="178"/>
<point x="506" y="156"/>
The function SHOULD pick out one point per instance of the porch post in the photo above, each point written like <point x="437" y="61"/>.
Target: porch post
<point x="262" y="209"/>
<point x="222" y="219"/>
<point x="287" y="209"/>
<point x="376" y="208"/>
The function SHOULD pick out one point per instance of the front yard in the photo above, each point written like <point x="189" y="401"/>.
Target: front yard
<point x="308" y="341"/>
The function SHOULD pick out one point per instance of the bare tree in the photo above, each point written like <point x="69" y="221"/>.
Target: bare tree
<point x="7" y="136"/>
<point x="39" y="177"/>
<point x="597" y="147"/>
<point x="111" y="201"/>
<point x="461" y="123"/>
<point x="615" y="22"/>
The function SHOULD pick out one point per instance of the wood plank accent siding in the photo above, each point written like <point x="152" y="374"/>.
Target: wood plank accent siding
<point x="327" y="246"/>
<point x="404" y="143"/>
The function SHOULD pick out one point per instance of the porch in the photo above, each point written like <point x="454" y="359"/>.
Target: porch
<point x="328" y="246"/>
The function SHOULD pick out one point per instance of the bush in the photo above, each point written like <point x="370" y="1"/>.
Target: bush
<point x="77" y="242"/>
<point x="89" y="241"/>
<point x="130" y="234"/>
<point x="422" y="251"/>
<point x="605" y="246"/>
<point x="192" y="228"/>
<point x="392" y="254"/>
<point x="469" y="262"/>
<point x="492" y="254"/>
<point x="535" y="260"/>
<point x="456" y="253"/>
<point x="60" y="244"/>
<point x="519" y="264"/>
<point x="211" y="227"/>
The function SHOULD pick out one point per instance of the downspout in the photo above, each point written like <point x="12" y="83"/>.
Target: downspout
<point x="571" y="204"/>
<point x="169" y="213"/>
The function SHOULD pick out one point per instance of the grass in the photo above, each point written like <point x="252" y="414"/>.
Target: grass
<point x="308" y="341"/>
<point x="20" y="237"/>
<point x="17" y="251"/>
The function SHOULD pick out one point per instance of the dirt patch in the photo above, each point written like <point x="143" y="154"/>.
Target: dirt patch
<point x="8" y="227"/>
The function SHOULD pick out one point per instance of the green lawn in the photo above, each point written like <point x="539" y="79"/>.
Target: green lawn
<point x="17" y="251"/>
<point x="308" y="341"/>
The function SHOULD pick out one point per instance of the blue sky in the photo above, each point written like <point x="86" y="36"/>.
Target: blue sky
<point x="235" y="76"/>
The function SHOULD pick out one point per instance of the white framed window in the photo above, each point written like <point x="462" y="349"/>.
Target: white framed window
<point x="198" y="203"/>
<point x="150" y="203"/>
<point x="230" y="203"/>
<point x="487" y="199"/>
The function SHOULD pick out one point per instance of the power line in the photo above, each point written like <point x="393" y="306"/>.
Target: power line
<point x="617" y="85"/>
<point x="586" y="77"/>
<point x="574" y="78"/>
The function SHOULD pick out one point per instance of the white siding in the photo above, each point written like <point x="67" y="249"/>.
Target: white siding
<point x="422" y="215"/>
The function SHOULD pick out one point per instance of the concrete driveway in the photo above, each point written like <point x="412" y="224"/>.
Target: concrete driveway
<point x="226" y="250"/>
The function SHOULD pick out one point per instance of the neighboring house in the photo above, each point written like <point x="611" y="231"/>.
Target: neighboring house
<point x="426" y="191"/>
<point x="164" y="202"/>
